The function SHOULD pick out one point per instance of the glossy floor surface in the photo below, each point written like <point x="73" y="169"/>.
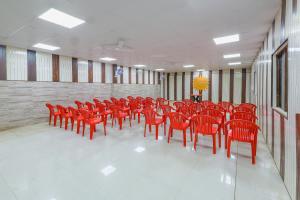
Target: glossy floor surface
<point x="48" y="163"/>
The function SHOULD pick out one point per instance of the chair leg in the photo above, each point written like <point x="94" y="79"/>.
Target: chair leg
<point x="219" y="134"/>
<point x="72" y="124"/>
<point x="214" y="143"/>
<point x="228" y="147"/>
<point x="150" y="130"/>
<point x="83" y="128"/>
<point x="92" y="128"/>
<point x="169" y="134"/>
<point x="191" y="133"/>
<point x="55" y="119"/>
<point x="120" y="123"/>
<point x="195" y="141"/>
<point x="60" y="122"/>
<point x="226" y="142"/>
<point x="253" y="152"/>
<point x="156" y="132"/>
<point x="139" y="117"/>
<point x="66" y="123"/>
<point x="104" y="126"/>
<point x="184" y="137"/>
<point x="50" y="116"/>
<point x="78" y="126"/>
<point x="145" y="130"/>
<point x="165" y="128"/>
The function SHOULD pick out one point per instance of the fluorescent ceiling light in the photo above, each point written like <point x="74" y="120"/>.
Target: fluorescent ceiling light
<point x="108" y="170"/>
<point x="200" y="70"/>
<point x="236" y="55"/>
<point x="108" y="59"/>
<point x="46" y="46"/>
<point x="139" y="65"/>
<point x="234" y="63"/>
<point x="160" y="69"/>
<point x="227" y="39"/>
<point x="188" y="66"/>
<point x="60" y="18"/>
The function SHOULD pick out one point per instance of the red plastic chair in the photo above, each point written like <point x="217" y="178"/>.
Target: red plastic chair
<point x="63" y="114"/>
<point x="91" y="107"/>
<point x="178" y="105"/>
<point x="118" y="113"/>
<point x="96" y="100"/>
<point x="166" y="109"/>
<point x="227" y="106"/>
<point x="249" y="105"/>
<point x="188" y="102"/>
<point x="244" y="116"/>
<point x="79" y="104"/>
<point x="92" y="120"/>
<point x="160" y="102"/>
<point x="102" y="110"/>
<point x="242" y="109"/>
<point x="75" y="116"/>
<point x="219" y="118"/>
<point x="242" y="131"/>
<point x="53" y="113"/>
<point x="205" y="125"/>
<point x="135" y="108"/>
<point x="130" y="98"/>
<point x="205" y="104"/>
<point x="178" y="122"/>
<point x="114" y="100"/>
<point x="217" y="107"/>
<point x="152" y="119"/>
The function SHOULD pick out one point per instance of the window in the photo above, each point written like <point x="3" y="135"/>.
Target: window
<point x="280" y="59"/>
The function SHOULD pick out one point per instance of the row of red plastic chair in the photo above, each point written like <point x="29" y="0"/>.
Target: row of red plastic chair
<point x="204" y="118"/>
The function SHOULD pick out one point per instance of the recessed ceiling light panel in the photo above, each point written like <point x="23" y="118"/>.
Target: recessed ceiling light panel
<point x="227" y="39"/>
<point x="236" y="55"/>
<point x="139" y="65"/>
<point x="60" y="18"/>
<point x="46" y="47"/>
<point x="200" y="70"/>
<point x="108" y="59"/>
<point x="161" y="69"/>
<point x="234" y="63"/>
<point x="188" y="66"/>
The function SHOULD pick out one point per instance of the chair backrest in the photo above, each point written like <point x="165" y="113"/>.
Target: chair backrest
<point x="130" y="98"/>
<point x="114" y="100"/>
<point x="187" y="102"/>
<point x="62" y="109"/>
<point x="241" y="130"/>
<point x="249" y="105"/>
<point x="78" y="103"/>
<point x="216" y="114"/>
<point x="90" y="106"/>
<point x="176" y="120"/>
<point x="204" y="123"/>
<point x="189" y="110"/>
<point x="244" y="116"/>
<point x="96" y="100"/>
<point x="227" y="106"/>
<point x="166" y="109"/>
<point x="133" y="105"/>
<point x="178" y="105"/>
<point x="147" y="103"/>
<point x="115" y="110"/>
<point x="107" y="103"/>
<point x="199" y="107"/>
<point x="74" y="112"/>
<point x="101" y="107"/>
<point x="86" y="114"/>
<point x="206" y="103"/>
<point x="217" y="107"/>
<point x="122" y="102"/>
<point x="50" y="107"/>
<point x="150" y="115"/>
<point x="243" y="109"/>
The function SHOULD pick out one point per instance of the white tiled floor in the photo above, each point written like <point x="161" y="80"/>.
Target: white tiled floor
<point x="48" y="163"/>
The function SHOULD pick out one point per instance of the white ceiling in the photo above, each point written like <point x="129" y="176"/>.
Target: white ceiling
<point x="162" y="33"/>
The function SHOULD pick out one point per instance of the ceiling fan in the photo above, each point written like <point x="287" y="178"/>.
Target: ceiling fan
<point x="119" y="46"/>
